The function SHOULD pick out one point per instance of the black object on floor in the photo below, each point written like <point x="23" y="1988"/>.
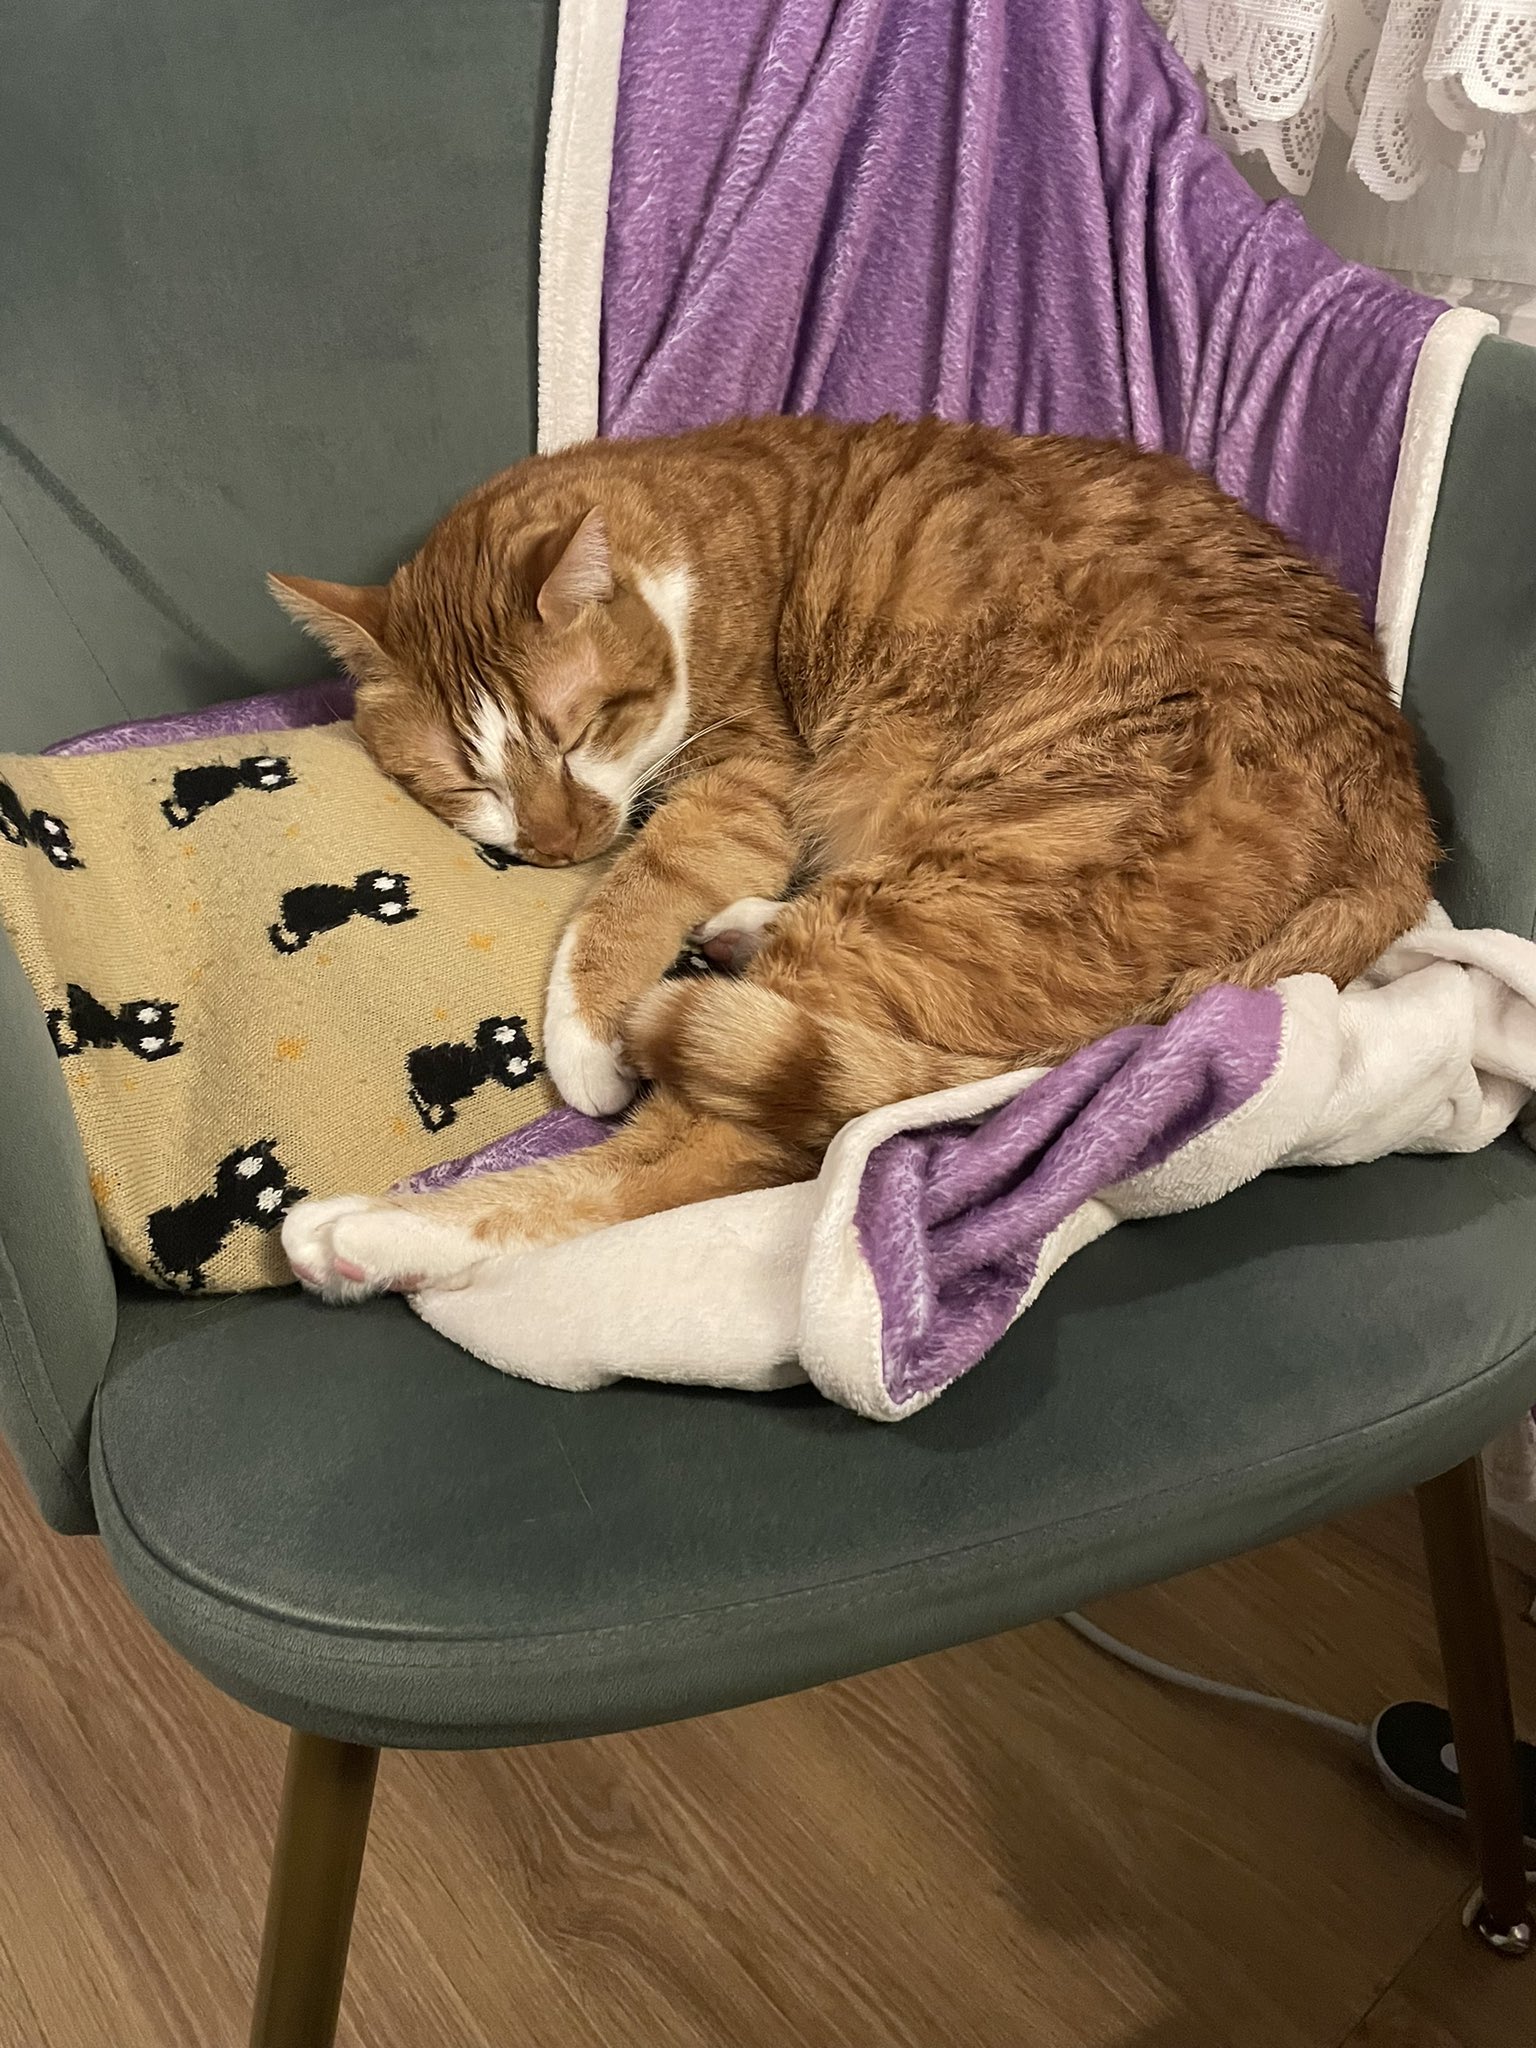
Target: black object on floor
<point x="1412" y="1746"/>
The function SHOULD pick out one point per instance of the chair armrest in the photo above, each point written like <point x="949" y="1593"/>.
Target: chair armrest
<point x="58" y="1304"/>
<point x="1471" y="686"/>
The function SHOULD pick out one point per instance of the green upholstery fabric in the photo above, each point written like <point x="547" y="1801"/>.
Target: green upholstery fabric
<point x="347" y="1523"/>
<point x="58" y="1311"/>
<point x="268" y="304"/>
<point x="1472" y="666"/>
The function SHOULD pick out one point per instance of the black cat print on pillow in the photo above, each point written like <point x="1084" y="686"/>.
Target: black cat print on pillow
<point x="440" y="1077"/>
<point x="49" y="834"/>
<point x="318" y="907"/>
<point x="499" y="857"/>
<point x="251" y="1186"/>
<point x="146" y="1029"/>
<point x="198" y="789"/>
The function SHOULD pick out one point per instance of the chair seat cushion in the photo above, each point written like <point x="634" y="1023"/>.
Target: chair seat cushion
<point x="350" y="1525"/>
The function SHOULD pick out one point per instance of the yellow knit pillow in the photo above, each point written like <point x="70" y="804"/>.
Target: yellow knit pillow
<point x="267" y="972"/>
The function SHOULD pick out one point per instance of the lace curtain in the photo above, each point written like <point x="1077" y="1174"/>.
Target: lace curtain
<point x="1415" y="82"/>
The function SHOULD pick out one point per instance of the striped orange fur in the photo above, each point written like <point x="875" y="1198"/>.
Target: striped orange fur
<point x="1030" y="737"/>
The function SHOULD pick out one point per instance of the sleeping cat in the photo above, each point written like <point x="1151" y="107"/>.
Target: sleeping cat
<point x="970" y="748"/>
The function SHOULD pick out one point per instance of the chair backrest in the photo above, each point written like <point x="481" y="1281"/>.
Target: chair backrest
<point x="1471" y="685"/>
<point x="269" y="303"/>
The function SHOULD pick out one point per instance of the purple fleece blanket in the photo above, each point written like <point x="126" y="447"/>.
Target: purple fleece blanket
<point x="275" y="711"/>
<point x="1005" y="211"/>
<point x="953" y="1224"/>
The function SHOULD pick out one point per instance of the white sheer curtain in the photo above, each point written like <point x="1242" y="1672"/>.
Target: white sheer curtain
<point x="1414" y="83"/>
<point x="1345" y="104"/>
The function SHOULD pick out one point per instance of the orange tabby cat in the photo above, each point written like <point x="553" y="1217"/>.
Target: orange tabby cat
<point x="969" y="749"/>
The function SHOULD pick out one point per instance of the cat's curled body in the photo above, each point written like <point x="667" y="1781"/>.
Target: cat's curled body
<point x="1037" y="737"/>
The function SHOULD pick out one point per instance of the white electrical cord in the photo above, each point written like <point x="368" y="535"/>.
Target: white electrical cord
<point x="1400" y="1789"/>
<point x="1153" y="1667"/>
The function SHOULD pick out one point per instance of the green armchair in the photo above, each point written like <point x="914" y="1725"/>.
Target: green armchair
<point x="271" y="302"/>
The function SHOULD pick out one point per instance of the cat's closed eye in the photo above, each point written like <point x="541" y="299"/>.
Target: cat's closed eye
<point x="594" y="726"/>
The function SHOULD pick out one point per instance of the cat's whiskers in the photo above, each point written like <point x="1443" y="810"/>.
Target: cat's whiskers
<point x="648" y="779"/>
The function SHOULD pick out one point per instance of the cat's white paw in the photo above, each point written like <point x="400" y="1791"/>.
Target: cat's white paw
<point x="347" y="1247"/>
<point x="590" y="1072"/>
<point x="732" y="937"/>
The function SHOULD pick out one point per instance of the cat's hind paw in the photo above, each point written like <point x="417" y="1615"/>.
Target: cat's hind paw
<point x="347" y="1247"/>
<point x="735" y="934"/>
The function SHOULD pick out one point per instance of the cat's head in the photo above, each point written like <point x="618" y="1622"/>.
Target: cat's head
<point x="254" y="1184"/>
<point x="512" y="677"/>
<point x="149" y="1029"/>
<point x="504" y="1043"/>
<point x="266" y="771"/>
<point x="384" y="896"/>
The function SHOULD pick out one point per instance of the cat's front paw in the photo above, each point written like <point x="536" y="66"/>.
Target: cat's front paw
<point x="590" y="1070"/>
<point x="347" y="1247"/>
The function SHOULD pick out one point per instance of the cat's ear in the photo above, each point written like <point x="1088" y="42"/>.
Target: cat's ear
<point x="348" y="618"/>
<point x="582" y="576"/>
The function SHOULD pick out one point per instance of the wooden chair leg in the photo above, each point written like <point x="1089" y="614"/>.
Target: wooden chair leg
<point x="1453" y="1513"/>
<point x="321" y="1834"/>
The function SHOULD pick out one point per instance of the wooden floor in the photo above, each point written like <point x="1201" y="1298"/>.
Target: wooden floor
<point x="1018" y="1845"/>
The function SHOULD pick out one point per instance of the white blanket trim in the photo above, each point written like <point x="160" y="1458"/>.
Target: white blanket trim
<point x="1433" y="396"/>
<point x="578" y="166"/>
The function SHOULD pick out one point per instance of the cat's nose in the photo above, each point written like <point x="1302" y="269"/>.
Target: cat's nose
<point x="558" y="842"/>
